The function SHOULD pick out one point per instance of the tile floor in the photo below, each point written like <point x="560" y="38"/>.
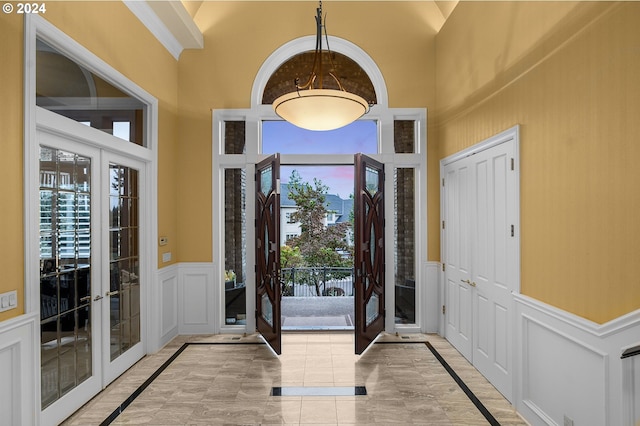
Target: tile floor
<point x="230" y="382"/>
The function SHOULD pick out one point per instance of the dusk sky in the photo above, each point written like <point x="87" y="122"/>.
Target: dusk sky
<point x="285" y="138"/>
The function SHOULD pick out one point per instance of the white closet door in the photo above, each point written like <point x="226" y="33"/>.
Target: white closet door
<point x="481" y="255"/>
<point x="457" y="237"/>
<point x="492" y="259"/>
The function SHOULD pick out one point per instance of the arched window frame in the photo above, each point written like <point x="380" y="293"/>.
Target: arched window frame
<point x="384" y="117"/>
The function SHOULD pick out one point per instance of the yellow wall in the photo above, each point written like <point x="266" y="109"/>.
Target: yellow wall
<point x="98" y="26"/>
<point x="574" y="90"/>
<point x="565" y="71"/>
<point x="238" y="38"/>
<point x="11" y="113"/>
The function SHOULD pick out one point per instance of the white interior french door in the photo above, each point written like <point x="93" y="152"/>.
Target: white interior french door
<point x="481" y="255"/>
<point x="123" y="231"/>
<point x="91" y="274"/>
<point x="70" y="252"/>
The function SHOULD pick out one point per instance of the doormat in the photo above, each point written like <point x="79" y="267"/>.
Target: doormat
<point x="318" y="322"/>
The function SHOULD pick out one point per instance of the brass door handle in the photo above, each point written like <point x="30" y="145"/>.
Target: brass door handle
<point x="112" y="293"/>
<point x="471" y="283"/>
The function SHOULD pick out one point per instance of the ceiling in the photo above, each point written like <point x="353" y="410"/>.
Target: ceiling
<point x="172" y="21"/>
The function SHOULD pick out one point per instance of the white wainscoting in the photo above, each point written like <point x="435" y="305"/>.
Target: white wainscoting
<point x="570" y="367"/>
<point x="197" y="299"/>
<point x="431" y="300"/>
<point x="18" y="368"/>
<point x="166" y="303"/>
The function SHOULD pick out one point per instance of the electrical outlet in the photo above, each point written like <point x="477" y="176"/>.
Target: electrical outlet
<point x="166" y="257"/>
<point x="567" y="421"/>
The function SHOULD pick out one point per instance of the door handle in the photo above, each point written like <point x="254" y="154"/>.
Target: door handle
<point x="112" y="293"/>
<point x="85" y="299"/>
<point x="98" y="297"/>
<point x="471" y="283"/>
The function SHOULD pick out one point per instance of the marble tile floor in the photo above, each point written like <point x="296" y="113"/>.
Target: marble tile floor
<point x="229" y="382"/>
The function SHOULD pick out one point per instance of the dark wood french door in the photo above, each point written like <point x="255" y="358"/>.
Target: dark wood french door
<point x="369" y="251"/>
<point x="268" y="290"/>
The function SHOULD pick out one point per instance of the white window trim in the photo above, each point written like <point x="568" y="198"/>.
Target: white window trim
<point x="385" y="118"/>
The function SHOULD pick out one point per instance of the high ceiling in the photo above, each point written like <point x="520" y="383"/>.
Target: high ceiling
<point x="172" y="21"/>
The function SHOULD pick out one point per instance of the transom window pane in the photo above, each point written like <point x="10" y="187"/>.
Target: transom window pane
<point x="68" y="89"/>
<point x="404" y="138"/>
<point x="234" y="137"/>
<point x="285" y="138"/>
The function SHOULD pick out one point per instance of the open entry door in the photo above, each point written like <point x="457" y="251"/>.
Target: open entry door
<point x="268" y="291"/>
<point x="369" y="250"/>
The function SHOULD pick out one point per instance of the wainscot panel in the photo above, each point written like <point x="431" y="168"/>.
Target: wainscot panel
<point x="570" y="369"/>
<point x="18" y="368"/>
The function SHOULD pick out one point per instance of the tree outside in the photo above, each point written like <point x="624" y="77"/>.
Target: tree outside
<point x="318" y="245"/>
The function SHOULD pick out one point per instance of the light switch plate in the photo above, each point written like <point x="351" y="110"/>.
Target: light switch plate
<point x="8" y="300"/>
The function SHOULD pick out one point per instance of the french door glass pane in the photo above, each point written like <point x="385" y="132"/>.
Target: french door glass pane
<point x="405" y="282"/>
<point x="65" y="271"/>
<point x="124" y="285"/>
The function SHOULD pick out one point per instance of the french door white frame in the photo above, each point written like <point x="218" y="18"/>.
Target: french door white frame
<point x="143" y="158"/>
<point x="253" y="132"/>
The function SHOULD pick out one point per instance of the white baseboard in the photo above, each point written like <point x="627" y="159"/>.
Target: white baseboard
<point x="18" y="367"/>
<point x="570" y="367"/>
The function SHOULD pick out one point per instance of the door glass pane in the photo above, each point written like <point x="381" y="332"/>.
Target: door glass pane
<point x="266" y="181"/>
<point x="124" y="286"/>
<point x="65" y="271"/>
<point x="267" y="309"/>
<point x="373" y="310"/>
<point x="371" y="181"/>
<point x="404" y="242"/>
<point x="67" y="88"/>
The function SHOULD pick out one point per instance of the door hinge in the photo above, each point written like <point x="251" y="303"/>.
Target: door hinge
<point x="444" y="310"/>
<point x="442" y="181"/>
<point x="443" y="267"/>
<point x="443" y="224"/>
<point x="513" y="164"/>
<point x="513" y="230"/>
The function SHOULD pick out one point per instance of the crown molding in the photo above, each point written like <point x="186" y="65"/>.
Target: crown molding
<point x="170" y="23"/>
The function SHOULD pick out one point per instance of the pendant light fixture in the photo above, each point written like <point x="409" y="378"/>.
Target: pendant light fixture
<point x="313" y="107"/>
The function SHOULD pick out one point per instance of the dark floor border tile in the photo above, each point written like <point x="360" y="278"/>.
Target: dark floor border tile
<point x="479" y="405"/>
<point x="318" y="391"/>
<point x="159" y="371"/>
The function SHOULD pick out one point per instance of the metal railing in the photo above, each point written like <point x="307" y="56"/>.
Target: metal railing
<point x="317" y="281"/>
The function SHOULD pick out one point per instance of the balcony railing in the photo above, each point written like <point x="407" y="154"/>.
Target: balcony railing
<point x="317" y="282"/>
